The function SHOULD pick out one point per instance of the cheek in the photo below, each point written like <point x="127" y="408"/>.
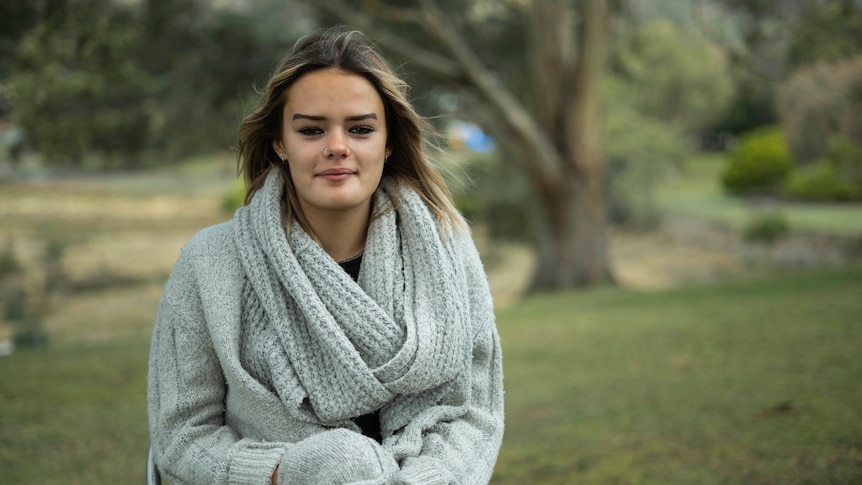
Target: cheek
<point x="377" y="153"/>
<point x="299" y="155"/>
<point x="297" y="169"/>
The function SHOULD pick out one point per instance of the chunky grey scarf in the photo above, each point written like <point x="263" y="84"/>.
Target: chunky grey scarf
<point x="398" y="337"/>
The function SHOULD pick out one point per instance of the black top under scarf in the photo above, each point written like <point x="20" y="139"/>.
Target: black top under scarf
<point x="369" y="423"/>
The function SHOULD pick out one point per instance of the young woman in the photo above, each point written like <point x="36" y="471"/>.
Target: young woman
<point x="340" y="328"/>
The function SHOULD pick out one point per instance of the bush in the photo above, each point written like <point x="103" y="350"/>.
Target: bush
<point x="838" y="177"/>
<point x="818" y="182"/>
<point x="846" y="157"/>
<point x="30" y="335"/>
<point x="16" y="305"/>
<point x="759" y="164"/>
<point x="767" y="227"/>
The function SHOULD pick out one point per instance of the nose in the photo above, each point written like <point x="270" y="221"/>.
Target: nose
<point x="337" y="147"/>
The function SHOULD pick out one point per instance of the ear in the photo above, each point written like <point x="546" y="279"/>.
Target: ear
<point x="278" y="146"/>
<point x="388" y="152"/>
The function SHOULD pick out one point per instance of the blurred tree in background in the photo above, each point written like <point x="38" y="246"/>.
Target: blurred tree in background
<point x="204" y="62"/>
<point x="136" y="81"/>
<point x="680" y="75"/>
<point x="818" y="102"/>
<point x="543" y="104"/>
<point x="78" y="85"/>
<point x="827" y="31"/>
<point x="754" y="35"/>
<point x="16" y="20"/>
<point x="641" y="151"/>
<point x="517" y="69"/>
<point x="669" y="84"/>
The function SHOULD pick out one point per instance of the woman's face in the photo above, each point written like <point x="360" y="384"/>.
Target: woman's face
<point x="334" y="140"/>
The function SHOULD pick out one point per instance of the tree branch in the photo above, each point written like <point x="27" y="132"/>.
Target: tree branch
<point x="584" y="111"/>
<point x="552" y="57"/>
<point x="547" y="160"/>
<point x="429" y="61"/>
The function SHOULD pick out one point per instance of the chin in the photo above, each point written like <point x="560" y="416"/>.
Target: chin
<point x="343" y="204"/>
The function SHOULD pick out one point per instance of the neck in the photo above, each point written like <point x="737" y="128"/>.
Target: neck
<point x="341" y="233"/>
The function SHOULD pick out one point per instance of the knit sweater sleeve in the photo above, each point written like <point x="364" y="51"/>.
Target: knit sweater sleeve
<point x="461" y="446"/>
<point x="192" y="442"/>
<point x="186" y="392"/>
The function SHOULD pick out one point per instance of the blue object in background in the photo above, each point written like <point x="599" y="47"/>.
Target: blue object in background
<point x="472" y="136"/>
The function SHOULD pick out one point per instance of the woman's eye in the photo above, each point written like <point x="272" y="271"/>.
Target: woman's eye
<point x="362" y="130"/>
<point x="309" y="131"/>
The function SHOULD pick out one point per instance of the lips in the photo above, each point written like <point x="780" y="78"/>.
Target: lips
<point x="336" y="174"/>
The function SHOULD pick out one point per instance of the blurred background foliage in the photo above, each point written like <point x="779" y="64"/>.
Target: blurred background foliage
<point x="773" y="88"/>
<point x="106" y="84"/>
<point x="88" y="86"/>
<point x="125" y="84"/>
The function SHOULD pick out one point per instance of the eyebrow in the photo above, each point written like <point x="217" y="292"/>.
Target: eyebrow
<point x="300" y="116"/>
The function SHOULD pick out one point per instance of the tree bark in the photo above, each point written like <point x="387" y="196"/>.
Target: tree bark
<point x="576" y="251"/>
<point x="552" y="57"/>
<point x="573" y="243"/>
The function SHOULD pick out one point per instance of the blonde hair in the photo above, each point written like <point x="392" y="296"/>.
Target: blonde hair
<point x="408" y="133"/>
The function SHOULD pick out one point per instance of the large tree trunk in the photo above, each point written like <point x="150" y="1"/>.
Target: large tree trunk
<point x="573" y="245"/>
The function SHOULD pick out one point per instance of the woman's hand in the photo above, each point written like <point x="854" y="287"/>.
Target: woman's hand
<point x="335" y="456"/>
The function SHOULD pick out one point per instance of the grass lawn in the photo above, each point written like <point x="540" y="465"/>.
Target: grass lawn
<point x="697" y="193"/>
<point x="755" y="382"/>
<point x="74" y="414"/>
<point x="605" y="386"/>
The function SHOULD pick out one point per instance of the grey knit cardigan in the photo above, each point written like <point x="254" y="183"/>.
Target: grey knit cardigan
<point x="212" y="419"/>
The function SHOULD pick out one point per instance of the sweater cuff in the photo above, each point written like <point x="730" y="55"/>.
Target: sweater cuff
<point x="423" y="470"/>
<point x="255" y="462"/>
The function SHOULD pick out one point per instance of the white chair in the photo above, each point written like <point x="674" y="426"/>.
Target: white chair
<point x="153" y="477"/>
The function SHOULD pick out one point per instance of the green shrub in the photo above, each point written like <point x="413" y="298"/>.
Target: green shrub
<point x="846" y="157"/>
<point x="16" y="305"/>
<point x="759" y="164"/>
<point x="766" y="227"/>
<point x="30" y="334"/>
<point x="818" y="182"/>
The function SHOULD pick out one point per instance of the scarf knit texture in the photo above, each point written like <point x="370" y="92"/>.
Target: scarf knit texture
<point x="265" y="349"/>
